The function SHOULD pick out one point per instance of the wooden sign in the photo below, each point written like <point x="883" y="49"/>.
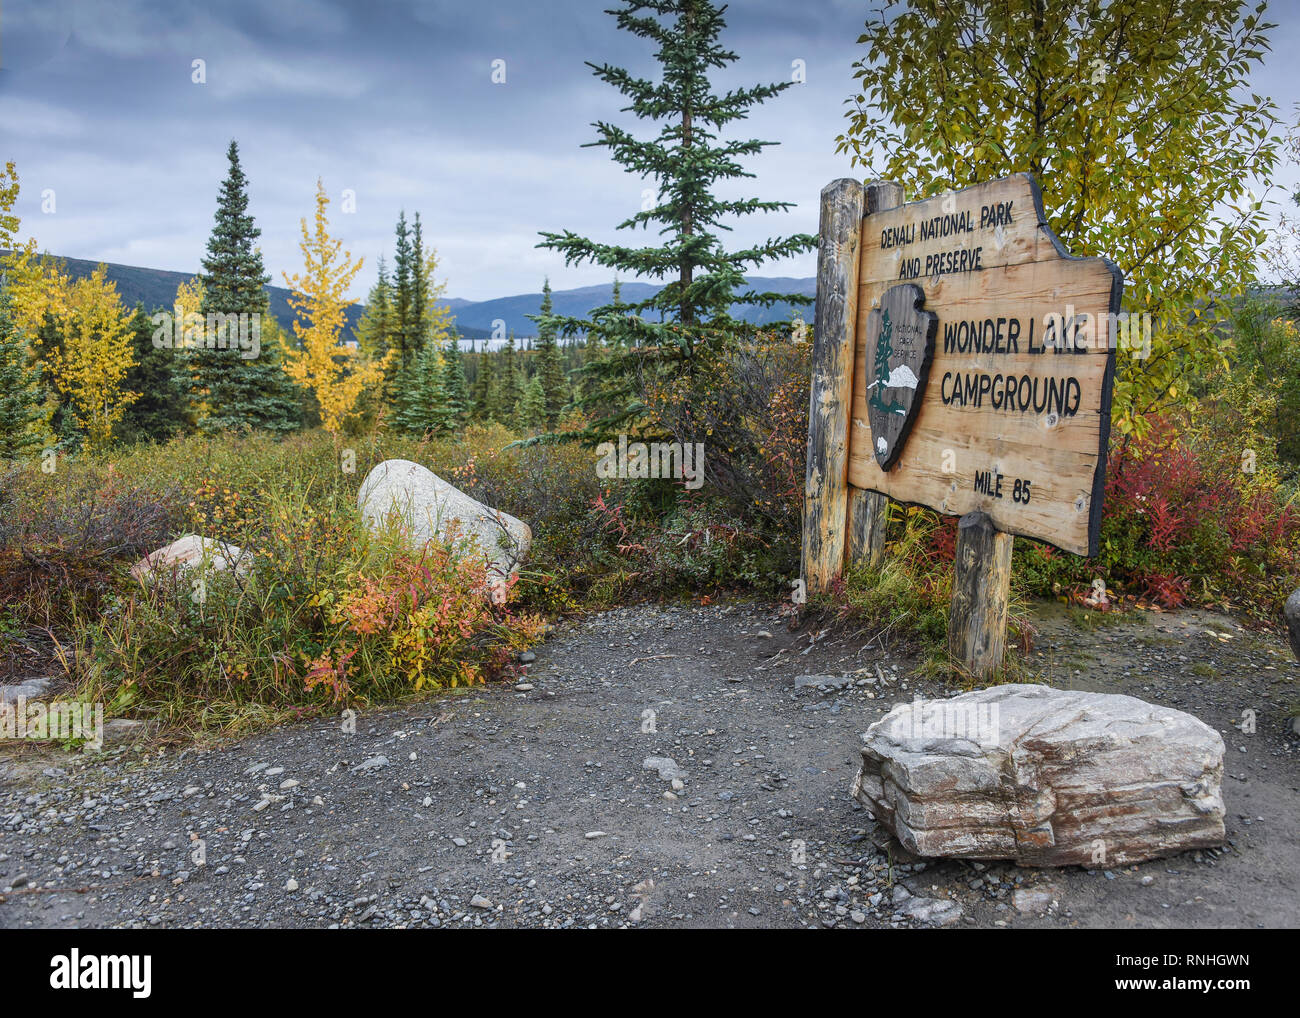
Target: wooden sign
<point x="962" y="360"/>
<point x="1014" y="418"/>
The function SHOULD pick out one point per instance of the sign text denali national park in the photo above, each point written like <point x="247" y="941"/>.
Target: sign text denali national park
<point x="985" y="355"/>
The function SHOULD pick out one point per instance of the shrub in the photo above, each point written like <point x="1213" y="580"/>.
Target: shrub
<point x="748" y="405"/>
<point x="1266" y="350"/>
<point x="328" y="614"/>
<point x="908" y="595"/>
<point x="1195" y="512"/>
<point x="62" y="535"/>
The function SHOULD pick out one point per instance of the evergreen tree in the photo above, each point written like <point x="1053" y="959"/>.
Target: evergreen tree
<point x="530" y="411"/>
<point x="376" y="336"/>
<point x="375" y="330"/>
<point x="416" y="316"/>
<point x="483" y="386"/>
<point x="239" y="392"/>
<point x="689" y="162"/>
<point x="509" y="389"/>
<point x="454" y="386"/>
<point x="162" y="409"/>
<point x="586" y="377"/>
<point x="555" y="384"/>
<point x="418" y="330"/>
<point x="22" y="397"/>
<point x="409" y="344"/>
<point x="422" y="403"/>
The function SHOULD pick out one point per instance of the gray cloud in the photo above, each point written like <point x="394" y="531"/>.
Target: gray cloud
<point x="391" y="100"/>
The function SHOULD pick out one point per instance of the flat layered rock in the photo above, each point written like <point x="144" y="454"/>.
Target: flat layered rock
<point x="425" y="506"/>
<point x="1044" y="776"/>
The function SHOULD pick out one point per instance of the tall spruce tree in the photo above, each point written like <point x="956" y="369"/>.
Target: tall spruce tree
<point x="530" y="411"/>
<point x="160" y="377"/>
<point x="688" y="161"/>
<point x="555" y="382"/>
<point x="455" y="388"/>
<point x="422" y="403"/>
<point x="586" y="376"/>
<point x="238" y="392"/>
<point x="22" y="397"/>
<point x="405" y="269"/>
<point x="509" y="387"/>
<point x="484" y="384"/>
<point x="374" y="331"/>
<point x="418" y="330"/>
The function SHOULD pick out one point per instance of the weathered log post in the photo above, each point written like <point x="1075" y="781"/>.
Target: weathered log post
<point x="826" y="481"/>
<point x="869" y="510"/>
<point x="981" y="588"/>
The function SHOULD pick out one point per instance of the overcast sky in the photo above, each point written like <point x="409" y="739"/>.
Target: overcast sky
<point x="395" y="101"/>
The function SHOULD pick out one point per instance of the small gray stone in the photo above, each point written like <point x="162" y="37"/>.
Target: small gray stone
<point x="932" y="911"/>
<point x="32" y="689"/>
<point x="823" y="681"/>
<point x="1032" y="900"/>
<point x="665" y="765"/>
<point x="374" y="763"/>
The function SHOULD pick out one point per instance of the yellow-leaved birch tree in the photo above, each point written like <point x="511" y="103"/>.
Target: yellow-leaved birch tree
<point x="9" y="221"/>
<point x="335" y="373"/>
<point x="95" y="356"/>
<point x="36" y="285"/>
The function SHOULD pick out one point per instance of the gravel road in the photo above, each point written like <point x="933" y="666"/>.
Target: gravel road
<point x="658" y="766"/>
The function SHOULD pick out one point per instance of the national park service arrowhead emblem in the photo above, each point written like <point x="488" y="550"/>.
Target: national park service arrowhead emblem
<point x="899" y="348"/>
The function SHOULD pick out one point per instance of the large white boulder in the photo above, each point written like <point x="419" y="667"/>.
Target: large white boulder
<point x="423" y="505"/>
<point x="1047" y="777"/>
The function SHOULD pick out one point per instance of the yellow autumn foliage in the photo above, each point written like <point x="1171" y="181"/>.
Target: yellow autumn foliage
<point x="336" y="374"/>
<point x="24" y="274"/>
<point x="96" y="354"/>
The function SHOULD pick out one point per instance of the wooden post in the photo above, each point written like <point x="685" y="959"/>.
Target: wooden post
<point x="826" y="481"/>
<point x="868" y="514"/>
<point x="981" y="585"/>
<point x="869" y="510"/>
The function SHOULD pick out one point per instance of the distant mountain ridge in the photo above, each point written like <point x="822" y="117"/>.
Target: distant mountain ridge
<point x="483" y="315"/>
<point x="156" y="288"/>
<point x="475" y="320"/>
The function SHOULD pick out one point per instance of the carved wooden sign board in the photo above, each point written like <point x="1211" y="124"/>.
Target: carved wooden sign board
<point x="983" y="364"/>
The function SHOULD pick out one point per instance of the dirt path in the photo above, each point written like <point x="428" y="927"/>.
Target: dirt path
<point x="534" y="807"/>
